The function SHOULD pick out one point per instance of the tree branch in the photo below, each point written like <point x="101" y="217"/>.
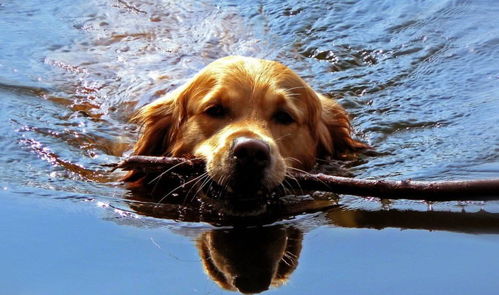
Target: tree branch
<point x="159" y="164"/>
<point x="463" y="190"/>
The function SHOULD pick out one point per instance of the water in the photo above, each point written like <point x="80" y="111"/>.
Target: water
<point x="420" y="79"/>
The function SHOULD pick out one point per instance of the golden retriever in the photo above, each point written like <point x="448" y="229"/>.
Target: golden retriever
<point x="251" y="120"/>
<point x="250" y="260"/>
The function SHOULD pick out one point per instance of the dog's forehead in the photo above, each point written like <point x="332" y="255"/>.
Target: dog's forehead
<point x="251" y="97"/>
<point x="250" y="84"/>
<point x="262" y="83"/>
<point x="258" y="95"/>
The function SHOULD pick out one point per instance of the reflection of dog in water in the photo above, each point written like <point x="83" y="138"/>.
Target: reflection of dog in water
<point x="252" y="121"/>
<point x="250" y="260"/>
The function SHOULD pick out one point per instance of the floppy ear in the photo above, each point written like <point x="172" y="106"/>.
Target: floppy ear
<point x="159" y="122"/>
<point x="335" y="131"/>
<point x="156" y="121"/>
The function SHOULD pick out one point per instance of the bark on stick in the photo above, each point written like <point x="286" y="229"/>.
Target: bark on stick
<point x="461" y="190"/>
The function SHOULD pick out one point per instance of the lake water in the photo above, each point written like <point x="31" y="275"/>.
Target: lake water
<point x="420" y="78"/>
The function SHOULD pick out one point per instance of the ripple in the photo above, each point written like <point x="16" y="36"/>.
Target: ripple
<point x="419" y="79"/>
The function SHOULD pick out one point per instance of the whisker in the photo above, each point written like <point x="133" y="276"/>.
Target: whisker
<point x="158" y="180"/>
<point x="289" y="258"/>
<point x="222" y="181"/>
<point x="294" y="159"/>
<point x="164" y="172"/>
<point x="206" y="181"/>
<point x="298" y="170"/>
<point x="288" y="261"/>
<point x="304" y="172"/>
<point x="203" y="184"/>
<point x="194" y="184"/>
<point x="291" y="255"/>
<point x="290" y="176"/>
<point x="284" y="188"/>
<point x="180" y="186"/>
<point x="222" y="186"/>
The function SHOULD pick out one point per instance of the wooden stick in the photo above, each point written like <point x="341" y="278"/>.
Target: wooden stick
<point x="155" y="164"/>
<point x="463" y="190"/>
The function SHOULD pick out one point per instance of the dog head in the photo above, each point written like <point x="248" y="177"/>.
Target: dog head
<point x="251" y="120"/>
<point x="250" y="260"/>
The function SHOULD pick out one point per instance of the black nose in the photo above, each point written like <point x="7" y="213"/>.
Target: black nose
<point x="251" y="153"/>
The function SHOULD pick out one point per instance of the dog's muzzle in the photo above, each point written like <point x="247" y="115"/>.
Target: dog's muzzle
<point x="251" y="156"/>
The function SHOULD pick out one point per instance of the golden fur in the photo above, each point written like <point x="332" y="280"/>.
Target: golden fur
<point x="241" y="97"/>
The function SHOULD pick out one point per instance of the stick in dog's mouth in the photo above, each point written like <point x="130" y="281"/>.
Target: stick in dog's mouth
<point x="464" y="190"/>
<point x="239" y="203"/>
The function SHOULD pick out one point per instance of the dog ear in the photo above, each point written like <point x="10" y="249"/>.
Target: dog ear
<point x="159" y="123"/>
<point x="335" y="131"/>
<point x="156" y="121"/>
<point x="161" y="120"/>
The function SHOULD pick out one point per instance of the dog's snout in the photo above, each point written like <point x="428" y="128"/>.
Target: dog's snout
<point x="251" y="152"/>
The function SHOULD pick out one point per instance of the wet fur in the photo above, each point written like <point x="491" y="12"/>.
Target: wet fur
<point x="252" y="90"/>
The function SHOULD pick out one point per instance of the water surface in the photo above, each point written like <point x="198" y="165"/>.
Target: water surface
<point x="420" y="79"/>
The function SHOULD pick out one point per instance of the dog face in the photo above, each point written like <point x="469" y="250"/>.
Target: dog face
<point x="250" y="260"/>
<point x="251" y="120"/>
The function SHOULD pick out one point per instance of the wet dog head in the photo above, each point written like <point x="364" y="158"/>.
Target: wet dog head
<point x="251" y="120"/>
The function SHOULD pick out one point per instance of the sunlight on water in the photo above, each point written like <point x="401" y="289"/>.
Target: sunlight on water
<point x="420" y="79"/>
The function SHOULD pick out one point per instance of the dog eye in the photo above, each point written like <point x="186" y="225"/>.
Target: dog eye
<point x="283" y="117"/>
<point x="216" y="111"/>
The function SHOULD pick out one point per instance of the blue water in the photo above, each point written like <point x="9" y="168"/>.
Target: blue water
<point x="420" y="79"/>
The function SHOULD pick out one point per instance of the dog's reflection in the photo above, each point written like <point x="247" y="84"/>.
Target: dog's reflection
<point x="250" y="260"/>
<point x="253" y="258"/>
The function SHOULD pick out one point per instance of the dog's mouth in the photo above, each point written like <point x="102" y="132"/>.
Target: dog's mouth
<point x="243" y="176"/>
<point x="239" y="202"/>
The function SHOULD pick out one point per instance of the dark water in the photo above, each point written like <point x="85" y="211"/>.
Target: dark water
<point x="420" y="78"/>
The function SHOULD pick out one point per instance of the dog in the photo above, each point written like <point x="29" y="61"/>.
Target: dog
<point x="252" y="121"/>
<point x="250" y="260"/>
